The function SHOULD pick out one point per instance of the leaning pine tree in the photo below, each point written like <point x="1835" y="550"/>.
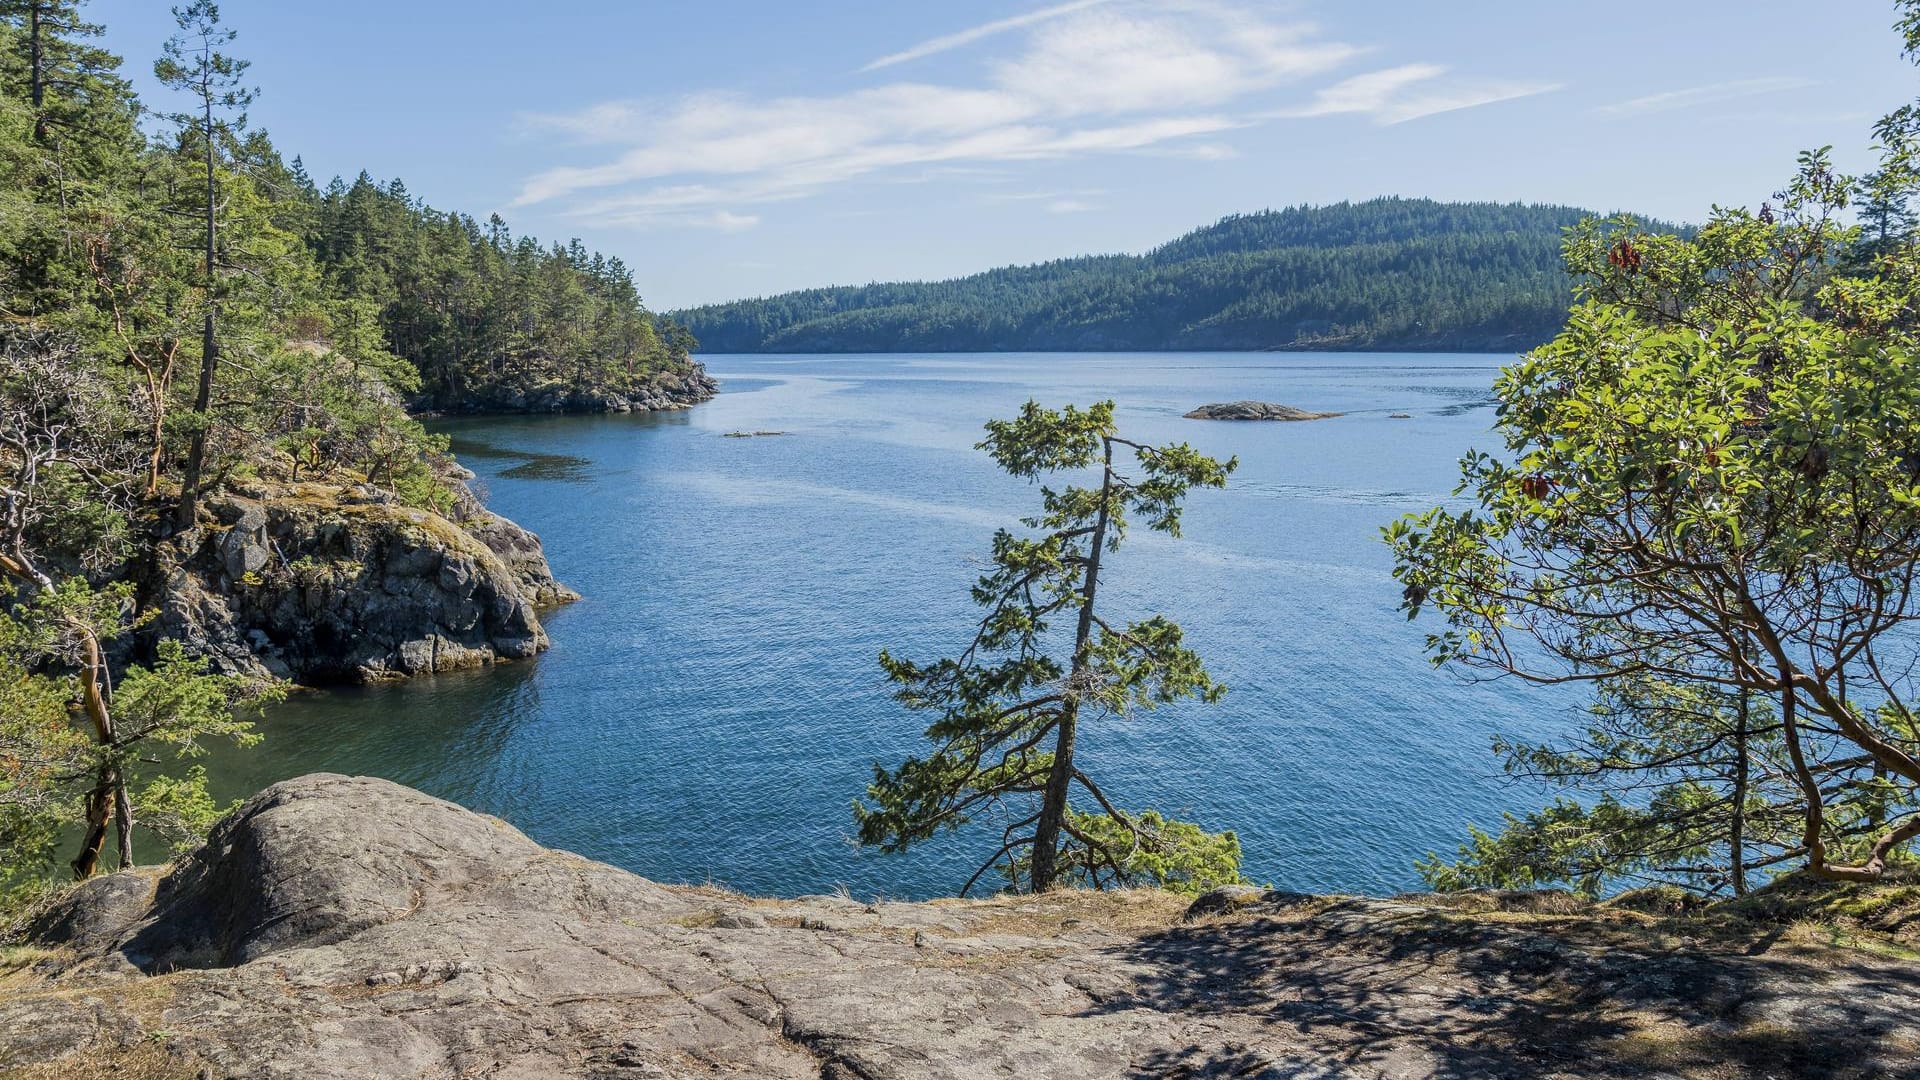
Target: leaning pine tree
<point x="1008" y="709"/>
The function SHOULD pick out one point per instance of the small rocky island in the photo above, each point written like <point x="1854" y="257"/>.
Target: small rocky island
<point x="1255" y="410"/>
<point x="337" y="927"/>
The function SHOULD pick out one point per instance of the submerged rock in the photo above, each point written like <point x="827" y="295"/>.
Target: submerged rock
<point x="324" y="584"/>
<point x="1255" y="410"/>
<point x="337" y="927"/>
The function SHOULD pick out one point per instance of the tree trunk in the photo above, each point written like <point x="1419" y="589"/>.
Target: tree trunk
<point x="157" y="384"/>
<point x="110" y="792"/>
<point x="209" y="358"/>
<point x="1737" y="822"/>
<point x="109" y="796"/>
<point x="122" y="820"/>
<point x="1053" y="807"/>
<point x="36" y="75"/>
<point x="99" y="807"/>
<point x="1815" y="813"/>
<point x="157" y="452"/>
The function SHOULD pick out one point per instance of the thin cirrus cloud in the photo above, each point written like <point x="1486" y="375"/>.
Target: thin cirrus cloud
<point x="1709" y="94"/>
<point x="1164" y="77"/>
<point x="1409" y="92"/>
<point x="726" y="221"/>
<point x="949" y="42"/>
<point x="1055" y="202"/>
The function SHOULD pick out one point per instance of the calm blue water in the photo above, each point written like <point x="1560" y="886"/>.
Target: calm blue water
<point x="711" y="708"/>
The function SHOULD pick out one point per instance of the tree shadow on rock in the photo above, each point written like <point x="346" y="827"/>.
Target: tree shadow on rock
<point x="1370" y="987"/>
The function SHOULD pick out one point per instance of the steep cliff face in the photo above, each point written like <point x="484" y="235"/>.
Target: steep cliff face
<point x="325" y="584"/>
<point x="337" y="927"/>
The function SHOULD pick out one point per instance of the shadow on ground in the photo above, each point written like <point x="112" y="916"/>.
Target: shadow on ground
<point x="1382" y="987"/>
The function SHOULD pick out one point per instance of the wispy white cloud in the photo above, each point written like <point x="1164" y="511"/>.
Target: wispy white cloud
<point x="1076" y="201"/>
<point x="1162" y="57"/>
<point x="1195" y="151"/>
<point x="1042" y="196"/>
<point x="1108" y="77"/>
<point x="725" y="221"/>
<point x="986" y="30"/>
<point x="1399" y="94"/>
<point x="1706" y="95"/>
<point x="970" y="174"/>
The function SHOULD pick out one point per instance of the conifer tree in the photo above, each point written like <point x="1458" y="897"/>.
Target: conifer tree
<point x="192" y="63"/>
<point x="65" y="491"/>
<point x="1010" y="706"/>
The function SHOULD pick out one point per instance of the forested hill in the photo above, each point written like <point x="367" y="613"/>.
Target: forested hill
<point x="1384" y="274"/>
<point x="493" y="322"/>
<point x="104" y="211"/>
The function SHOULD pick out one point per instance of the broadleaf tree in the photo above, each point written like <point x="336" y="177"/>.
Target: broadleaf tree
<point x="1047" y="657"/>
<point x="1710" y="491"/>
<point x="67" y="482"/>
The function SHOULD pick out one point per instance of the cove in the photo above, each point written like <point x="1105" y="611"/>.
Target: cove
<point x="712" y="706"/>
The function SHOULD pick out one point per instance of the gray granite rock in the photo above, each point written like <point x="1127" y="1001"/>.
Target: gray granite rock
<point x="338" y="927"/>
<point x="1255" y="410"/>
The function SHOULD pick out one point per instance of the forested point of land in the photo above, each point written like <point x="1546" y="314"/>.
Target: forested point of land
<point x="1390" y="273"/>
<point x="486" y="317"/>
<point x="211" y="475"/>
<point x="106" y="242"/>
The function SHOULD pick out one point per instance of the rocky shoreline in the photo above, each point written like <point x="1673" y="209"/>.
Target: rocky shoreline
<point x="319" y="583"/>
<point x="337" y="927"/>
<point x="662" y="392"/>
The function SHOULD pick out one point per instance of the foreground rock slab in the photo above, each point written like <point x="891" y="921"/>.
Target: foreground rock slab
<point x="348" y="927"/>
<point x="1255" y="410"/>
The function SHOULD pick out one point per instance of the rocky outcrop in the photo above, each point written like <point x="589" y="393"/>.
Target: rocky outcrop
<point x="318" y="583"/>
<point x="520" y="552"/>
<point x="676" y="388"/>
<point x="1255" y="410"/>
<point x="337" y="927"/>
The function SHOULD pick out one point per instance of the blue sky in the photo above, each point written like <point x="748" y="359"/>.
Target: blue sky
<point x="732" y="148"/>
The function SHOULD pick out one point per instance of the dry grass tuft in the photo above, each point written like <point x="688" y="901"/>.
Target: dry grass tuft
<point x="1121" y="911"/>
<point x="144" y="1062"/>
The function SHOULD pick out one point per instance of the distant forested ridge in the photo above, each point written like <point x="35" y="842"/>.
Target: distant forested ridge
<point x="1384" y="274"/>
